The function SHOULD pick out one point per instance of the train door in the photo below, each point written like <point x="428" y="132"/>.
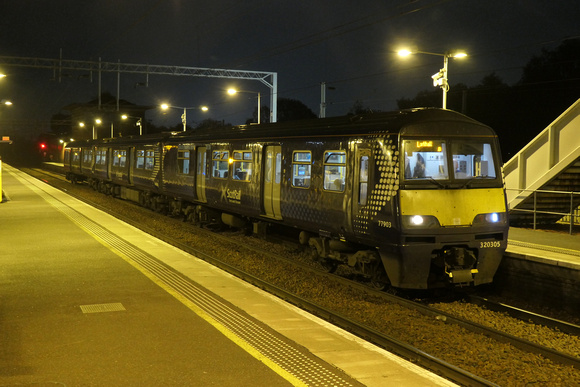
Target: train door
<point x="272" y="177"/>
<point x="130" y="164"/>
<point x="360" y="187"/>
<point x="201" y="168"/>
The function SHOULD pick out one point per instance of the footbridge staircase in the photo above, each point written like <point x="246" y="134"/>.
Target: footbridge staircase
<point x="543" y="179"/>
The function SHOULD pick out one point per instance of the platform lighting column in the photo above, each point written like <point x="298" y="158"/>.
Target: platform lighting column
<point x="139" y="122"/>
<point x="233" y="91"/>
<point x="441" y="78"/>
<point x="184" y="115"/>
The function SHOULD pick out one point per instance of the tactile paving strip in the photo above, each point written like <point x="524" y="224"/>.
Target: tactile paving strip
<point x="303" y="366"/>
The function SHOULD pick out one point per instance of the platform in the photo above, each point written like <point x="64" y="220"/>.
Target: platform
<point x="86" y="299"/>
<point x="548" y="247"/>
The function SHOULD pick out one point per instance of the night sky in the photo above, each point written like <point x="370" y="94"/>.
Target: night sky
<point x="350" y="45"/>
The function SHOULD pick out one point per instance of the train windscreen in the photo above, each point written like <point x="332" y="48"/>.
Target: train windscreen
<point x="451" y="160"/>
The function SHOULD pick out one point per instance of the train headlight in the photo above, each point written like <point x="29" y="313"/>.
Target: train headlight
<point x="420" y="221"/>
<point x="490" y="218"/>
<point x="416" y="220"/>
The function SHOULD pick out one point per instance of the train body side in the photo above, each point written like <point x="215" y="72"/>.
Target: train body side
<point x="344" y="184"/>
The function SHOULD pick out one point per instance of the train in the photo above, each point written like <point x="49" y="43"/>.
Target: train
<point x="414" y="199"/>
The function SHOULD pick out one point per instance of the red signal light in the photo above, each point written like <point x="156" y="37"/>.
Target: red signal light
<point x="42" y="145"/>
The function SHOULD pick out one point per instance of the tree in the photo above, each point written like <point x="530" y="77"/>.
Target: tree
<point x="292" y="110"/>
<point x="358" y="108"/>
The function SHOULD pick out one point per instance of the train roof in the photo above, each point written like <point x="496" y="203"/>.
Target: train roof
<point x="420" y="121"/>
<point x="410" y="122"/>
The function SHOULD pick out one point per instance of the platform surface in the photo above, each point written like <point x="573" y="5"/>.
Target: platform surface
<point x="548" y="247"/>
<point x="87" y="300"/>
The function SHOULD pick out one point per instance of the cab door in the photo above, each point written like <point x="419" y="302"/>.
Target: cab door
<point x="272" y="176"/>
<point x="201" y="168"/>
<point x="360" y="190"/>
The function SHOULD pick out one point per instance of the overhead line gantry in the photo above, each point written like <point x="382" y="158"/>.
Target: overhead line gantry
<point x="269" y="79"/>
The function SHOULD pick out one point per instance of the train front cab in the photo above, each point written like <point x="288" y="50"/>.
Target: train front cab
<point x="453" y="218"/>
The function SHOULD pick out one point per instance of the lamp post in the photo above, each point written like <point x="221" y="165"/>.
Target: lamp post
<point x="441" y="78"/>
<point x="233" y="91"/>
<point x="139" y="122"/>
<point x="185" y="109"/>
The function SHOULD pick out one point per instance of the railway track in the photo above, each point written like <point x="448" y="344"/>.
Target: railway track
<point x="393" y="344"/>
<point x="525" y="315"/>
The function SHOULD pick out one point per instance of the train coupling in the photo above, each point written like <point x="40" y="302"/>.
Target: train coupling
<point x="459" y="263"/>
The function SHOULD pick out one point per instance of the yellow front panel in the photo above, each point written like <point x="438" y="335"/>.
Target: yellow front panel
<point x="452" y="207"/>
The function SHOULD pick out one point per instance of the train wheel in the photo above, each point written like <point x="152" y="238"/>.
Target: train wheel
<point x="328" y="265"/>
<point x="378" y="277"/>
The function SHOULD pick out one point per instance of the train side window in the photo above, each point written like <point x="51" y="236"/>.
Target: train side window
<point x="220" y="164"/>
<point x="76" y="155"/>
<point x="140" y="159"/>
<point x="301" y="168"/>
<point x="334" y="170"/>
<point x="119" y="158"/>
<point x="149" y="160"/>
<point x="363" y="180"/>
<point x="242" y="165"/>
<point x="87" y="156"/>
<point x="122" y="158"/>
<point x="183" y="161"/>
<point x="101" y="157"/>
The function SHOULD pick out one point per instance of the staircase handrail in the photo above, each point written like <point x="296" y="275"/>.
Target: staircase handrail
<point x="555" y="146"/>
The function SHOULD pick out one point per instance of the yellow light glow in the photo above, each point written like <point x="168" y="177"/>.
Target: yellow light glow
<point x="404" y="52"/>
<point x="232" y="91"/>
<point x="164" y="106"/>
<point x="423" y="144"/>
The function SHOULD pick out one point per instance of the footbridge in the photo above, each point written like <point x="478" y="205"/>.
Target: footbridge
<point x="543" y="179"/>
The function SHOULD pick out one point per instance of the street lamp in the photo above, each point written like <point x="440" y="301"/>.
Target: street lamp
<point x="139" y="122"/>
<point x="233" y="91"/>
<point x="185" y="109"/>
<point x="96" y="121"/>
<point x="441" y="78"/>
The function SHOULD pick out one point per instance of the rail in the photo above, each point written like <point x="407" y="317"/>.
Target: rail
<point x="568" y="217"/>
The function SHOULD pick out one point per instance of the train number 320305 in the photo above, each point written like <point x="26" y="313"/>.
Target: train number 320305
<point x="486" y="245"/>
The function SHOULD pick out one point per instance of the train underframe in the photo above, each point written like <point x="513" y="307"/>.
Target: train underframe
<point x="412" y="267"/>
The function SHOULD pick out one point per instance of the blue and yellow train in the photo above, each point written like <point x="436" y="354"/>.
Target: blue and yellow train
<point x="412" y="198"/>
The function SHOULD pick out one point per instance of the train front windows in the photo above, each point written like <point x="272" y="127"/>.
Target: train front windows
<point x="220" y="164"/>
<point x="301" y="164"/>
<point x="472" y="160"/>
<point x="425" y="159"/>
<point x="242" y="165"/>
<point x="334" y="170"/>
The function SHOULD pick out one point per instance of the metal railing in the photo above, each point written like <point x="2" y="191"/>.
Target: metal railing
<point x="571" y="217"/>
